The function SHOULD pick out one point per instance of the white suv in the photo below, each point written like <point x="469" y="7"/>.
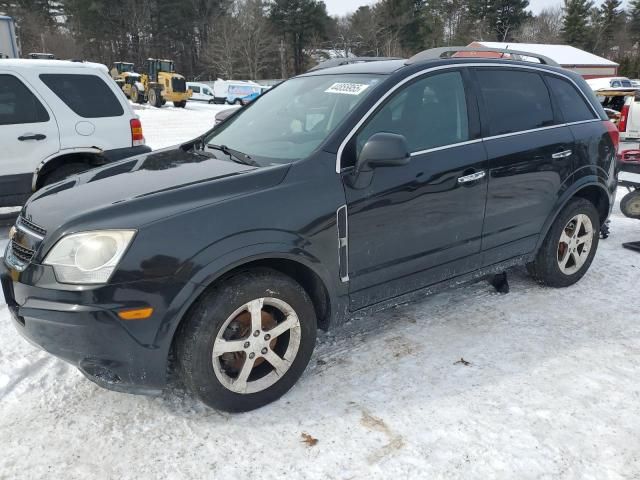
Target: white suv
<point x="59" y="118"/>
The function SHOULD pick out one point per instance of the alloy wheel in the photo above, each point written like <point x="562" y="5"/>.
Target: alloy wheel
<point x="575" y="244"/>
<point x="256" y="345"/>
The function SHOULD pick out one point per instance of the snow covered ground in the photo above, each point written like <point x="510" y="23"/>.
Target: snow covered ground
<point x="169" y="125"/>
<point x="551" y="389"/>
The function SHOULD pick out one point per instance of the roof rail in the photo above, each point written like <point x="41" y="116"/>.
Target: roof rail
<point x="336" y="62"/>
<point x="441" y="52"/>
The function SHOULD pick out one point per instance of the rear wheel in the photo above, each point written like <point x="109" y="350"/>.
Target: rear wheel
<point x="238" y="101"/>
<point x="630" y="204"/>
<point x="64" y="171"/>
<point x="181" y="104"/>
<point x="247" y="341"/>
<point x="569" y="247"/>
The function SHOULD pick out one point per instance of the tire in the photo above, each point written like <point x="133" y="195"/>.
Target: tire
<point x="64" y="171"/>
<point x="181" y="104"/>
<point x="630" y="204"/>
<point x="211" y="102"/>
<point x="223" y="312"/>
<point x="561" y="263"/>
<point x="137" y="96"/>
<point x="238" y="102"/>
<point x="155" y="98"/>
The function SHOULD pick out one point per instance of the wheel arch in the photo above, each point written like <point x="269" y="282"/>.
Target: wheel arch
<point x="90" y="156"/>
<point x="325" y="304"/>
<point x="592" y="190"/>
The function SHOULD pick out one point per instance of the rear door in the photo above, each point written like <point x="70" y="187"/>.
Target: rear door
<point x="28" y="133"/>
<point x="530" y="154"/>
<point x="585" y="125"/>
<point x="93" y="113"/>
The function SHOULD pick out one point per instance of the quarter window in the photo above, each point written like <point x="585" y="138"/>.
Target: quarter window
<point x="514" y="101"/>
<point x="572" y="104"/>
<point x="87" y="95"/>
<point x="429" y="113"/>
<point x="18" y="105"/>
<point x="195" y="89"/>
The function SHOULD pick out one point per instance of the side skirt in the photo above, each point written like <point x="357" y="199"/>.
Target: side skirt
<point x="438" y="287"/>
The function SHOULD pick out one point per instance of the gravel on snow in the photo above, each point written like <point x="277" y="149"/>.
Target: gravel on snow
<point x="551" y="390"/>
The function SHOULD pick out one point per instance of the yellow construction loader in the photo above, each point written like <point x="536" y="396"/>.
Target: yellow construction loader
<point x="160" y="84"/>
<point x="125" y="76"/>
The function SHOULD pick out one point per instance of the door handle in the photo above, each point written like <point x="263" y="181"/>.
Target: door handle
<point x="37" y="136"/>
<point x="562" y="154"/>
<point x="474" y="177"/>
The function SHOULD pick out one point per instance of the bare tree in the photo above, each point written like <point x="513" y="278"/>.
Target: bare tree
<point x="546" y="27"/>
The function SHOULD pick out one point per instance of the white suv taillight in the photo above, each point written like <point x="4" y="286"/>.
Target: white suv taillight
<point x="624" y="118"/>
<point x="137" y="138"/>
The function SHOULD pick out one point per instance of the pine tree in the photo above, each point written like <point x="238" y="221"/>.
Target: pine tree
<point x="634" y="21"/>
<point x="506" y="16"/>
<point x="575" y="28"/>
<point x="612" y="18"/>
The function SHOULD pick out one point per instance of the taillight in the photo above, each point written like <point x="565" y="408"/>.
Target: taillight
<point x="613" y="133"/>
<point x="137" y="138"/>
<point x="624" y="116"/>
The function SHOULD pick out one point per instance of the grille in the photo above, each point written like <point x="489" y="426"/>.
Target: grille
<point x="21" y="253"/>
<point x="179" y="85"/>
<point x="32" y="226"/>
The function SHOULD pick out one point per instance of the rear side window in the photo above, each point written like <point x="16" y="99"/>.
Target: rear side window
<point x="514" y="101"/>
<point x="195" y="89"/>
<point x="87" y="95"/>
<point x="572" y="104"/>
<point x="17" y="104"/>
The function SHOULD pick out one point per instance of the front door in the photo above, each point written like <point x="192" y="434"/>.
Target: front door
<point x="29" y="134"/>
<point x="421" y="223"/>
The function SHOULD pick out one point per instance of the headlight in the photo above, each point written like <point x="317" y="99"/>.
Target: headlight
<point x="88" y="257"/>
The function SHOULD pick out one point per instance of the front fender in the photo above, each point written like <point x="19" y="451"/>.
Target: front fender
<point x="216" y="269"/>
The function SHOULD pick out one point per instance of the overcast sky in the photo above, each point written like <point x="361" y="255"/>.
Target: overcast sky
<point x="342" y="7"/>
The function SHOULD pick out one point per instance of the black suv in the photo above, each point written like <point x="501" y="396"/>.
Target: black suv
<point x="339" y="192"/>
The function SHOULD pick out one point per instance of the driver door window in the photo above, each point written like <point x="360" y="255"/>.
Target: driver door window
<point x="429" y="113"/>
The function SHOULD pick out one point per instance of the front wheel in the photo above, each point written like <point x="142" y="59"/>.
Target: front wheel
<point x="569" y="247"/>
<point x="247" y="340"/>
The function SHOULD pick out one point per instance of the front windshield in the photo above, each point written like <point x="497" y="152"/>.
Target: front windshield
<point x="295" y="118"/>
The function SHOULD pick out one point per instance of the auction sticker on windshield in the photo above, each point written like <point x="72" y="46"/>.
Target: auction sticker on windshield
<point x="347" y="88"/>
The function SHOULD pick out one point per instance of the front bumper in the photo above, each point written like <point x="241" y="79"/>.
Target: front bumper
<point x="82" y="327"/>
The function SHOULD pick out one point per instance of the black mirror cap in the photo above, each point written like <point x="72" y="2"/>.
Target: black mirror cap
<point x="384" y="150"/>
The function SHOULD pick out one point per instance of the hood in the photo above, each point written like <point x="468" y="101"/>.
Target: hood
<point x="143" y="189"/>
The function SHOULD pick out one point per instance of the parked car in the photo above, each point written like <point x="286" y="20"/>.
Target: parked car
<point x="231" y="91"/>
<point x="201" y="92"/>
<point x="343" y="191"/>
<point x="606" y="83"/>
<point x="59" y="118"/>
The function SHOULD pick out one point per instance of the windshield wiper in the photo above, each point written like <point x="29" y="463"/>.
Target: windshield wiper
<point x="235" y="155"/>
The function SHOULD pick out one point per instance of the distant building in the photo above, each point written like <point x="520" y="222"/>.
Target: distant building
<point x="586" y="64"/>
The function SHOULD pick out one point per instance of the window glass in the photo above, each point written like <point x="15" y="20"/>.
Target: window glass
<point x="572" y="104"/>
<point x="87" y="95"/>
<point x="295" y="118"/>
<point x="626" y="83"/>
<point x="431" y="112"/>
<point x="195" y="89"/>
<point x="18" y="104"/>
<point x="616" y="83"/>
<point x="206" y="91"/>
<point x="514" y="101"/>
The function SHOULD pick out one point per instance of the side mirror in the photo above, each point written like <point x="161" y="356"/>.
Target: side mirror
<point x="383" y="150"/>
